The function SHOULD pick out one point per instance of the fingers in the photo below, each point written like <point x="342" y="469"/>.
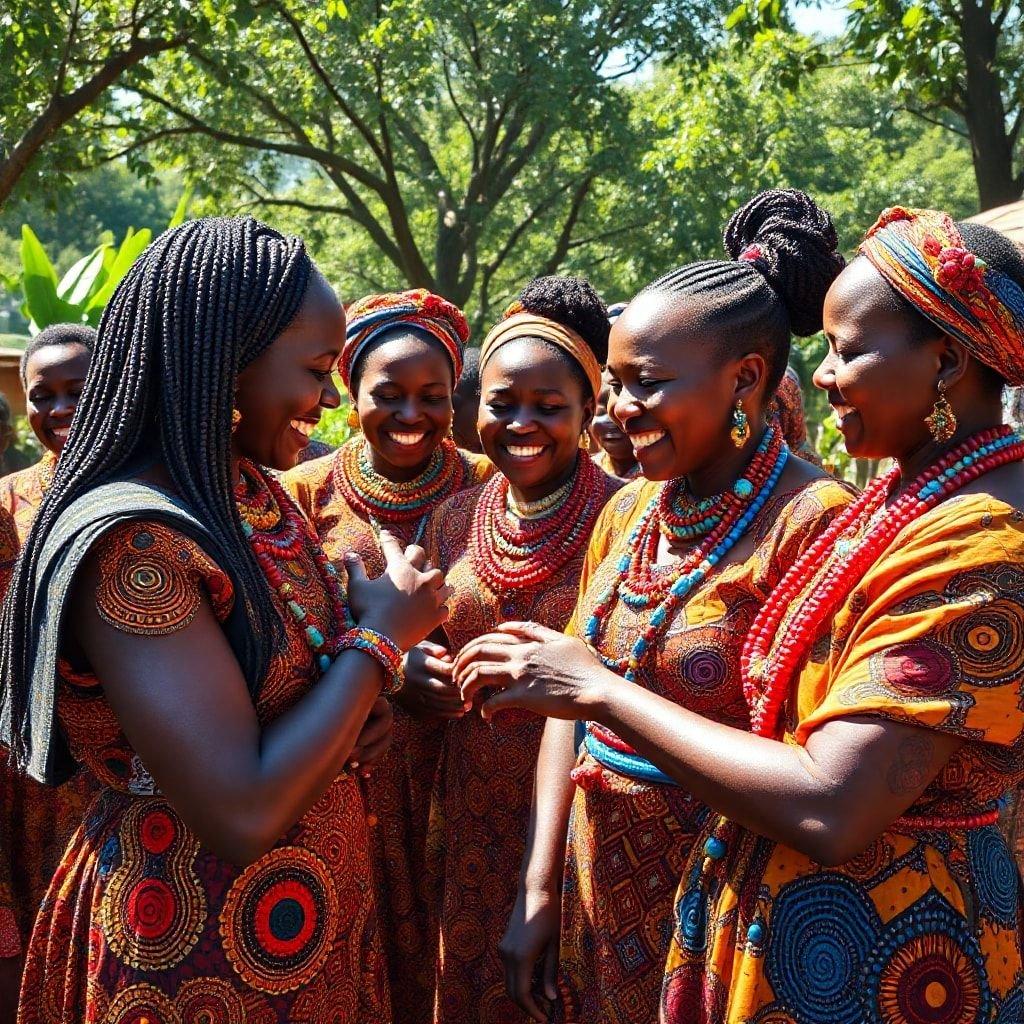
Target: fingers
<point x="531" y="631"/>
<point x="510" y="698"/>
<point x="433" y="650"/>
<point x="471" y="651"/>
<point x="550" y="972"/>
<point x="519" y="985"/>
<point x="435" y="667"/>
<point x="417" y="557"/>
<point x="355" y="568"/>
<point x="480" y="675"/>
<point x="390" y="548"/>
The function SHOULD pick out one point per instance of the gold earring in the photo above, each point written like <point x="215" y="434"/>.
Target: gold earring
<point x="740" y="425"/>
<point x="236" y="418"/>
<point x="585" y="441"/>
<point x="353" y="418"/>
<point x="942" y="421"/>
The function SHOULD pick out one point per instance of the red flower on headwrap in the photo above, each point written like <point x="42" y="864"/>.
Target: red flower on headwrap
<point x="751" y="253"/>
<point x="959" y="270"/>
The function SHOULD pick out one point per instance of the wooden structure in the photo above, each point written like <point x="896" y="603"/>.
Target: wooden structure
<point x="10" y="379"/>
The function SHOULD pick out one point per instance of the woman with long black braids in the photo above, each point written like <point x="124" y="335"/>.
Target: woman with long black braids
<point x="174" y="626"/>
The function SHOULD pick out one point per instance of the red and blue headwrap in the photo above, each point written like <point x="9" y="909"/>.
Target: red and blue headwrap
<point x="417" y="310"/>
<point x="923" y="256"/>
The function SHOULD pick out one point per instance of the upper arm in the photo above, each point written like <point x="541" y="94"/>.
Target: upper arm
<point x="145" y="620"/>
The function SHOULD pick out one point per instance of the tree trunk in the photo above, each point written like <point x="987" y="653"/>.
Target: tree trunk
<point x="985" y="113"/>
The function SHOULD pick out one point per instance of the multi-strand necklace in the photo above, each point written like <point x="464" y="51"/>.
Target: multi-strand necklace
<point x="383" y="502"/>
<point x="514" y="545"/>
<point x="717" y="523"/>
<point x="278" y="533"/>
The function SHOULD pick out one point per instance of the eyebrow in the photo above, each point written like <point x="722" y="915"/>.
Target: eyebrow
<point x="536" y="391"/>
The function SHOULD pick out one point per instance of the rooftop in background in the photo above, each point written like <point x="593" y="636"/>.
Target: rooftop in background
<point x="1008" y="219"/>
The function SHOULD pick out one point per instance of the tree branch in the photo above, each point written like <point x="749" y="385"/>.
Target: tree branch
<point x="561" y="249"/>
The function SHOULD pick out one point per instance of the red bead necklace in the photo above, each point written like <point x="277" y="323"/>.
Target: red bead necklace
<point x="512" y="553"/>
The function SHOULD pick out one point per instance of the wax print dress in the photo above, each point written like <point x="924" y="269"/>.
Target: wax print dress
<point x="628" y="839"/>
<point x="481" y="805"/>
<point x="37" y="820"/>
<point x="143" y="923"/>
<point x="397" y="794"/>
<point x="924" y="926"/>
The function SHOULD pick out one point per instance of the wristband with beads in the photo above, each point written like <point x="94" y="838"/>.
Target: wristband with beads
<point x="379" y="647"/>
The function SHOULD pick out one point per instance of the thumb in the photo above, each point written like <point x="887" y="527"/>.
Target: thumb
<point x="503" y="699"/>
<point x="355" y="568"/>
<point x="434" y="650"/>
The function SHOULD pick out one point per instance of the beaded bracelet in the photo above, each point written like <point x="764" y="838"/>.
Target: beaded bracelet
<point x="381" y="648"/>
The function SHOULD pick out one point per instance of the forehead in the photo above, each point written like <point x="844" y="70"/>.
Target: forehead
<point x="657" y="326"/>
<point x="401" y="353"/>
<point x="53" y="360"/>
<point x="860" y="299"/>
<point x="528" y="363"/>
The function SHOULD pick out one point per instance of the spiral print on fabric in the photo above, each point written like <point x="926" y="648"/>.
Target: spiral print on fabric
<point x="995" y="874"/>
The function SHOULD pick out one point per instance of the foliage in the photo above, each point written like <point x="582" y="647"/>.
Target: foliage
<point x="333" y="428"/>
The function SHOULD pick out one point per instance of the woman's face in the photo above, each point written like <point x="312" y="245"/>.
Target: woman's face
<point x="532" y="412"/>
<point x="404" y="400"/>
<point x="605" y="431"/>
<point x="282" y="392"/>
<point x="671" y="392"/>
<point x="880" y="379"/>
<point x="54" y="378"/>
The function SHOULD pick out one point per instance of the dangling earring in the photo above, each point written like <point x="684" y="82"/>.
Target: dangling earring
<point x="942" y="421"/>
<point x="740" y="425"/>
<point x="585" y="441"/>
<point x="353" y="418"/>
<point x="236" y="418"/>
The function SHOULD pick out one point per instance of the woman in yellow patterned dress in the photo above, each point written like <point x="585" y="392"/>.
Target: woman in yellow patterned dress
<point x="39" y="819"/>
<point x="674" y="577"/>
<point x="511" y="548"/>
<point x="402" y="355"/>
<point x="173" y="625"/>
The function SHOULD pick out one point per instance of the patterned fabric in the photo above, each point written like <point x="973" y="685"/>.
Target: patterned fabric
<point x="922" y="254"/>
<point x="397" y="794"/>
<point x="604" y="461"/>
<point x="36" y="821"/>
<point x="141" y="921"/>
<point x="417" y="309"/>
<point x="923" y="926"/>
<point x="315" y="450"/>
<point x="629" y="840"/>
<point x="481" y="804"/>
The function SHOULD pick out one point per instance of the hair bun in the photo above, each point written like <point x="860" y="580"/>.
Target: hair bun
<point x="788" y="238"/>
<point x="572" y="302"/>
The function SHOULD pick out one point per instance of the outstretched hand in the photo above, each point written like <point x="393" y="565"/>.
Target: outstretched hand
<point x="535" y="668"/>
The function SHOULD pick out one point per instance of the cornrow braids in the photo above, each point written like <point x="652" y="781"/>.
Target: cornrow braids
<point x="784" y="258"/>
<point x="201" y="302"/>
<point x="54" y="335"/>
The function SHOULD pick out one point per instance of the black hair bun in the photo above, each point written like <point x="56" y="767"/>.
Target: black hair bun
<point x="572" y="302"/>
<point x="995" y="249"/>
<point x="792" y="241"/>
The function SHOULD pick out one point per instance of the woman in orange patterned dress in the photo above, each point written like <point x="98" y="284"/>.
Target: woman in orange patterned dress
<point x="39" y="819"/>
<point x="173" y="625"/>
<point x="512" y="548"/>
<point x="402" y="355"/>
<point x="674" y="577"/>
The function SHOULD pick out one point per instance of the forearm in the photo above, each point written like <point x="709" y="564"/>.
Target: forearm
<point x="553" y="794"/>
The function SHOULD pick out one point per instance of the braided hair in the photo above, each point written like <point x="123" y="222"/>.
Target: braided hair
<point x="53" y="336"/>
<point x="201" y="303"/>
<point x="784" y="256"/>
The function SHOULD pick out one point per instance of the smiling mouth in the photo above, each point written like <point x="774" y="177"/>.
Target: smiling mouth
<point x="407" y="440"/>
<point x="524" y="451"/>
<point x="305" y="427"/>
<point x="646" y="439"/>
<point x="842" y="412"/>
<point x="61" y="433"/>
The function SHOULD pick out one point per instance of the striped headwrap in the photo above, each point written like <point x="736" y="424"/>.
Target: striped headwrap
<point x="417" y="310"/>
<point x="923" y="256"/>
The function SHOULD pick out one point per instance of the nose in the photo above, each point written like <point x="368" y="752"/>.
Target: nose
<point x="520" y="423"/>
<point x="63" y="407"/>
<point x="624" y="407"/>
<point x="408" y="412"/>
<point x="330" y="396"/>
<point x="824" y="377"/>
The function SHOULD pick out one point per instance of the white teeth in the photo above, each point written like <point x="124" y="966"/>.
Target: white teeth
<point x="61" y="432"/>
<point x="407" y="439"/>
<point x="304" y="427"/>
<point x="523" y="451"/>
<point x="646" y="439"/>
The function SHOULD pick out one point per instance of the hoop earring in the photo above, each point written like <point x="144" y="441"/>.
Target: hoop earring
<point x="353" y="418"/>
<point x="942" y="422"/>
<point x="236" y="418"/>
<point x="740" y="425"/>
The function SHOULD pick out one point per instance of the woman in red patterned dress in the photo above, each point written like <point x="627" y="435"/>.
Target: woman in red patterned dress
<point x="38" y="820"/>
<point x="402" y="355"/>
<point x="511" y="548"/>
<point x="174" y="625"/>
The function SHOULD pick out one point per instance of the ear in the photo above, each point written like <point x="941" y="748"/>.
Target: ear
<point x="751" y="371"/>
<point x="953" y="360"/>
<point x="588" y="412"/>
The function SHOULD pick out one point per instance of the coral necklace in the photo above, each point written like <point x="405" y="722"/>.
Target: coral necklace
<point x="384" y="502"/>
<point x="640" y="582"/>
<point x="279" y="533"/>
<point x="511" y="551"/>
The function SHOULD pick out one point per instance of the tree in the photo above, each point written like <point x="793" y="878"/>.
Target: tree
<point x="61" y="59"/>
<point x="448" y="132"/>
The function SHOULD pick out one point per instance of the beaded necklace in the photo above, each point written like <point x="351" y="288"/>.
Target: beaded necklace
<point x="640" y="582"/>
<point x="47" y="467"/>
<point x="510" y="552"/>
<point x="383" y="502"/>
<point x="278" y="532"/>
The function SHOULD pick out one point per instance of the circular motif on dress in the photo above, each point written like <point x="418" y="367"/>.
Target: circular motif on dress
<point x="821" y="930"/>
<point x="990" y="642"/>
<point x="927" y="968"/>
<point x="918" y="668"/>
<point x="692" y="919"/>
<point x="705" y="669"/>
<point x="279" y="920"/>
<point x="995" y="875"/>
<point x="157" y="832"/>
<point x="141" y="1004"/>
<point x="209" y="1001"/>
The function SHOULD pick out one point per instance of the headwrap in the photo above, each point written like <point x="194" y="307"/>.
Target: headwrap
<point x="923" y="256"/>
<point x="518" y="324"/>
<point x="417" y="310"/>
<point x="615" y="310"/>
